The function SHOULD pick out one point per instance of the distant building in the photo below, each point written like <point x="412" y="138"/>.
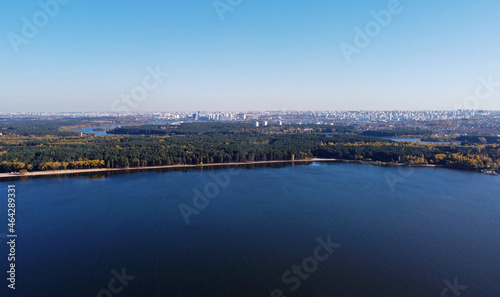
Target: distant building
<point x="265" y="123"/>
<point x="256" y="124"/>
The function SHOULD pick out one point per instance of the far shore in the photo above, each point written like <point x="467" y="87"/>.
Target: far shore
<point x="94" y="170"/>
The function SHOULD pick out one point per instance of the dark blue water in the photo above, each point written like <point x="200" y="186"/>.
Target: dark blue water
<point x="433" y="225"/>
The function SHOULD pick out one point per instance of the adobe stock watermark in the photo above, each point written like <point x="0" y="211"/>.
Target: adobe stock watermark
<point x="393" y="179"/>
<point x="308" y="266"/>
<point x="364" y="36"/>
<point x="31" y="27"/>
<point x="452" y="289"/>
<point x="223" y="6"/>
<point x="484" y="90"/>
<point x="221" y="180"/>
<point x="140" y="92"/>
<point x="116" y="284"/>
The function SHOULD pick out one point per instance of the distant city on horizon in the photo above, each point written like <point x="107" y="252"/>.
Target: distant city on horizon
<point x="321" y="117"/>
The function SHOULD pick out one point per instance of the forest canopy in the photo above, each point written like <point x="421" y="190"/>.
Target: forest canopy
<point x="209" y="143"/>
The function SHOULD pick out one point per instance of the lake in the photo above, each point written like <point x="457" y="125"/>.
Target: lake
<point x="322" y="229"/>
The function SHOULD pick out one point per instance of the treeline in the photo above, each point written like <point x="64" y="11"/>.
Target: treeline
<point x="39" y="127"/>
<point x="54" y="153"/>
<point x="25" y="127"/>
<point x="6" y="166"/>
<point x="202" y="128"/>
<point x="397" y="132"/>
<point x="462" y="157"/>
<point x="59" y="126"/>
<point x="133" y="151"/>
<point x="220" y="128"/>
<point x="478" y="139"/>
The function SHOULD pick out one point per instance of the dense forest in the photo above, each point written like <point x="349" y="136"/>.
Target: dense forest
<point x="198" y="143"/>
<point x="218" y="128"/>
<point x="59" y="126"/>
<point x="478" y="139"/>
<point x="397" y="132"/>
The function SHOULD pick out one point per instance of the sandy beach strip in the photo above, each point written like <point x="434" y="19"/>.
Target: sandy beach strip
<point x="77" y="171"/>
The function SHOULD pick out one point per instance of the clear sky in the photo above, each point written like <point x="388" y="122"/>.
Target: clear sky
<point x="264" y="55"/>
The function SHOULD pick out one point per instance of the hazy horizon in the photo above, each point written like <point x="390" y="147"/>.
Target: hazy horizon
<point x="250" y="111"/>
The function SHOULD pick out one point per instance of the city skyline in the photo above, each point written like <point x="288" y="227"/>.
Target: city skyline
<point x="318" y="117"/>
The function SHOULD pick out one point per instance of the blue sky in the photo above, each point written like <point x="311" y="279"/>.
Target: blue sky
<point x="264" y="55"/>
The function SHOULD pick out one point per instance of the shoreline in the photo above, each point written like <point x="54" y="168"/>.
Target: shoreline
<point x="93" y="170"/>
<point x="102" y="170"/>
